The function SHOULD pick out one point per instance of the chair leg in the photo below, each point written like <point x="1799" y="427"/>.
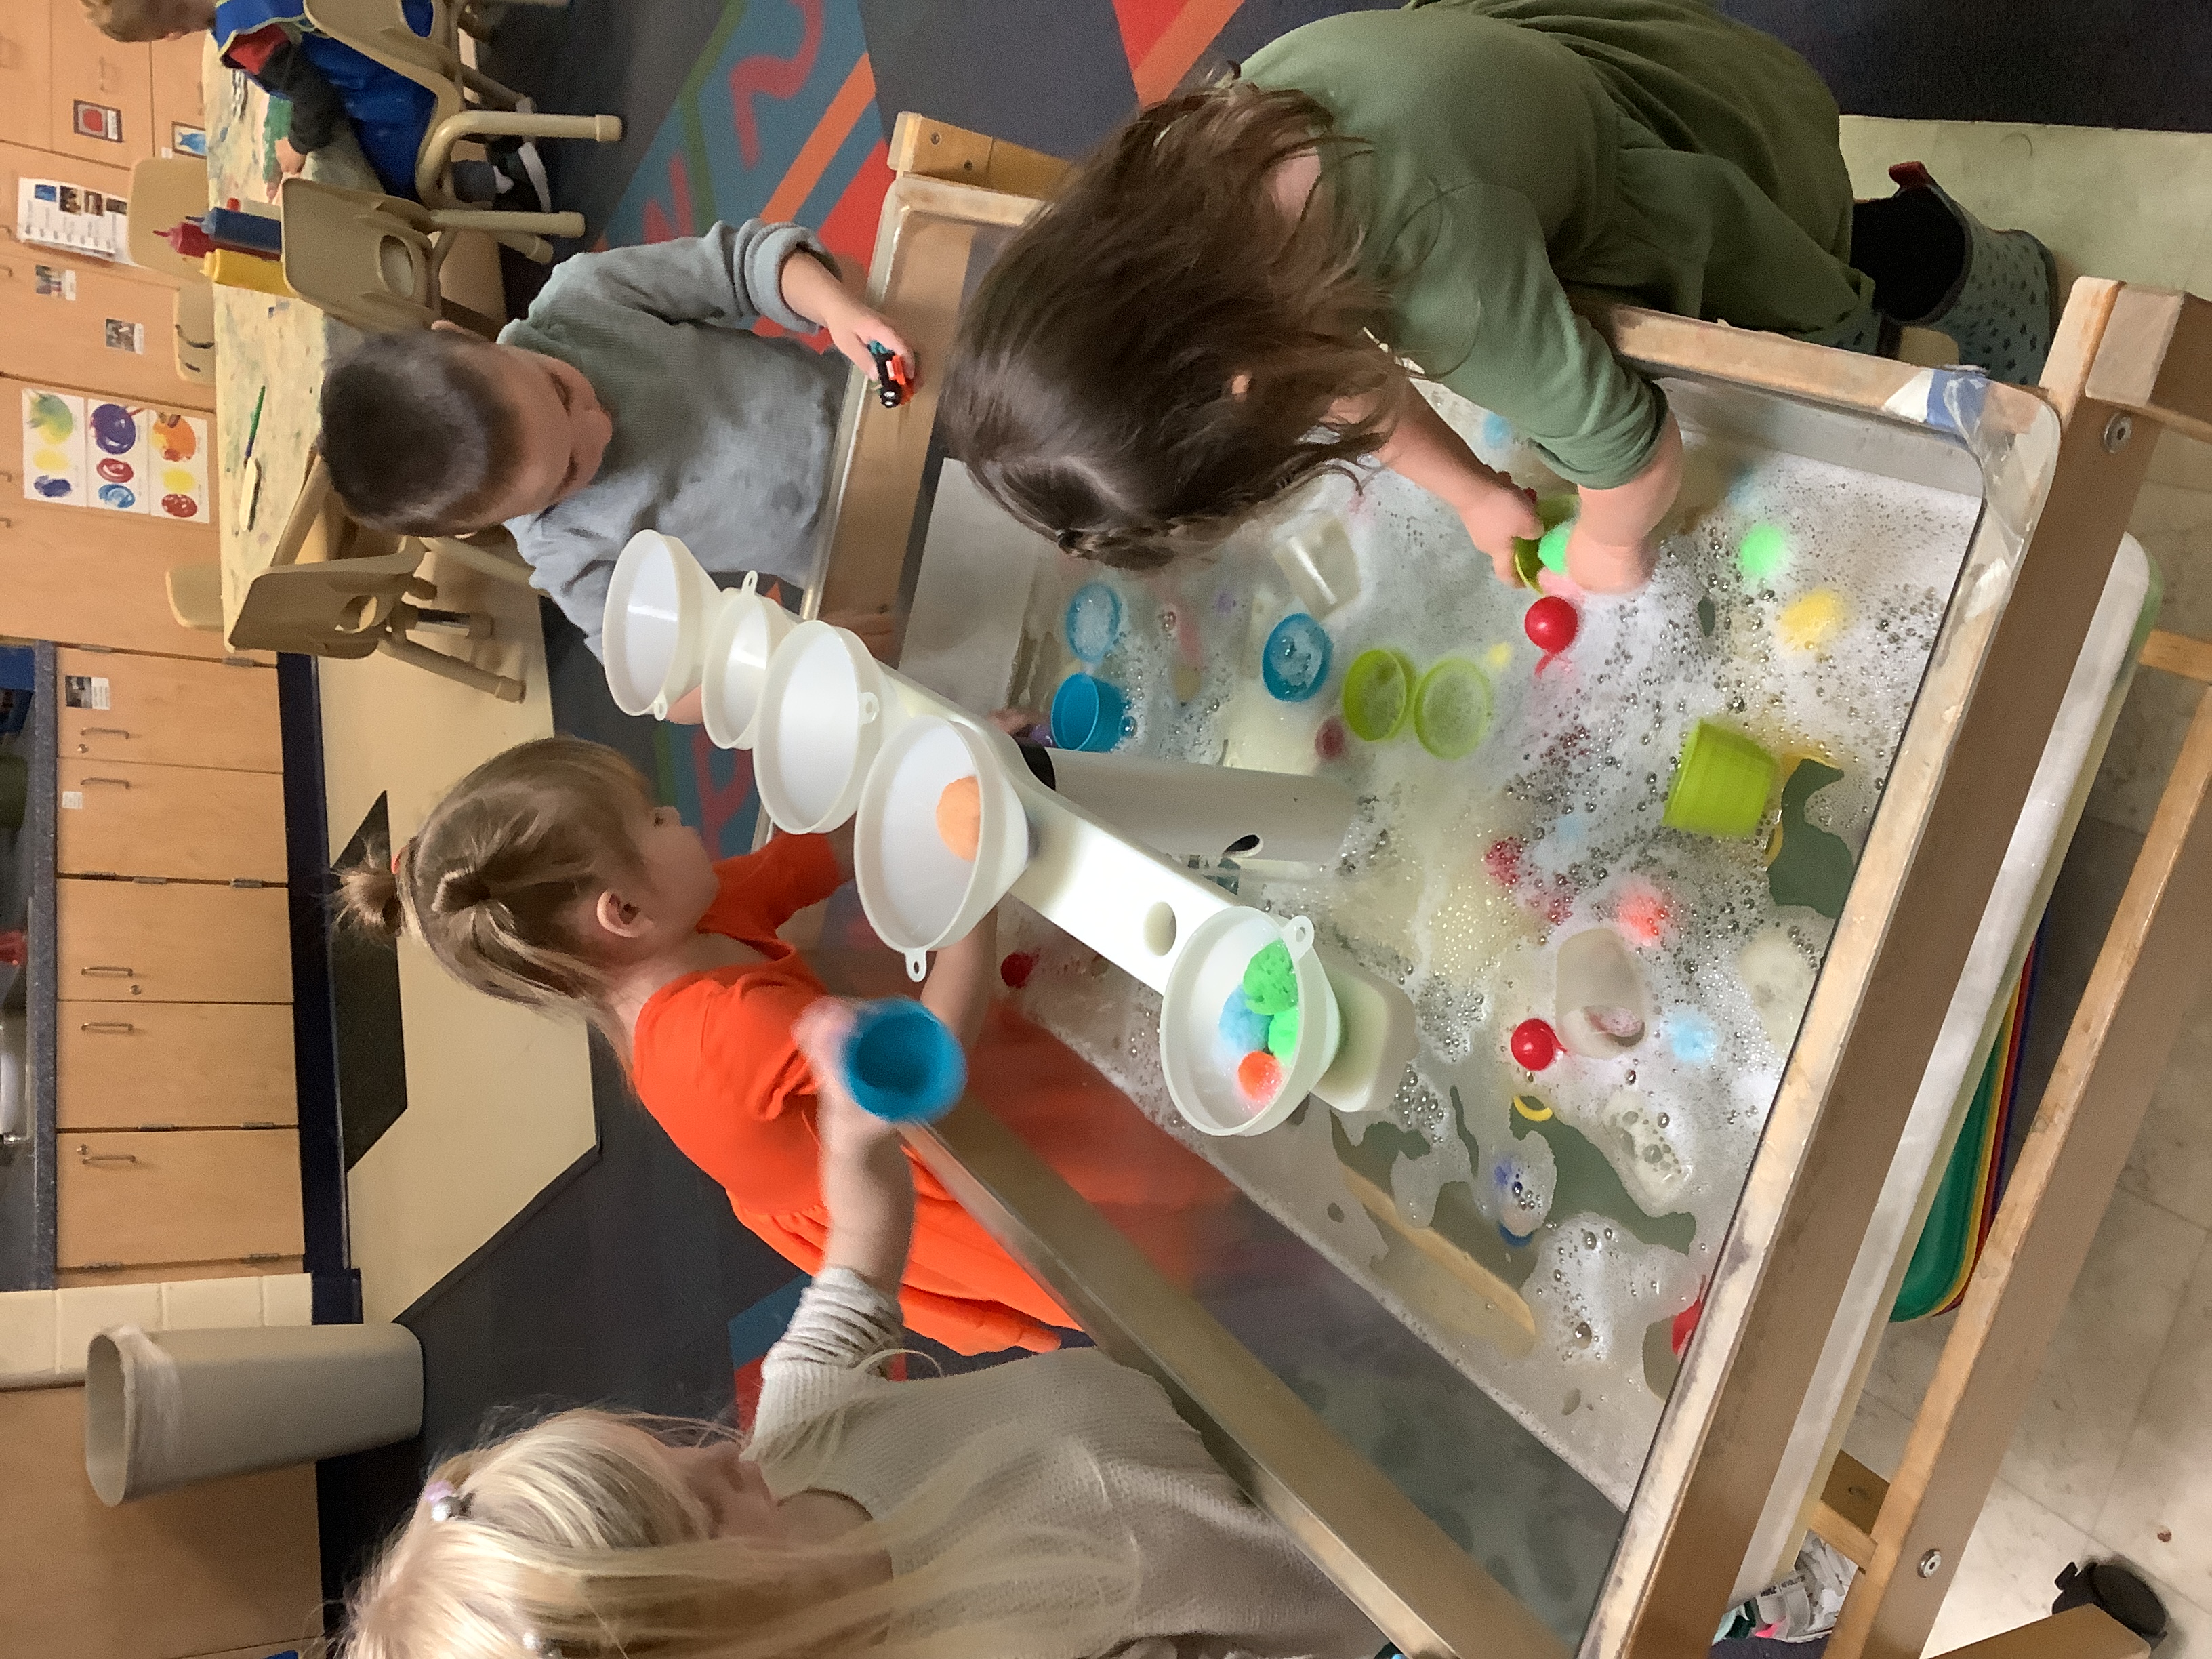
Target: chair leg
<point x="482" y="560"/>
<point x="469" y="624"/>
<point x="437" y="151"/>
<point x="452" y="668"/>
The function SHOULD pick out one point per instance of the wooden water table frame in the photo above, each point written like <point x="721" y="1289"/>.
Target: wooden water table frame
<point x="2068" y="458"/>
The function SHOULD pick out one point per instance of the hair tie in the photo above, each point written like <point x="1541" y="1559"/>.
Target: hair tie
<point x="1067" y="540"/>
<point x="399" y="853"/>
<point x="444" y="1503"/>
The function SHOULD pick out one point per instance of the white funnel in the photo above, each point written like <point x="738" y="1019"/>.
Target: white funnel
<point x="823" y="714"/>
<point x="1175" y="807"/>
<point x="660" y="601"/>
<point x="920" y="894"/>
<point x="1194" y="1055"/>
<point x="743" y="636"/>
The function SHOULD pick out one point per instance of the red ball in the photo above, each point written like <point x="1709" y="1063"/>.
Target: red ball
<point x="1535" y="1044"/>
<point x="1016" y="969"/>
<point x="1550" y="624"/>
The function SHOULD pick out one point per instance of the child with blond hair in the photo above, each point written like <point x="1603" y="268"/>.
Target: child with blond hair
<point x="1053" y="1508"/>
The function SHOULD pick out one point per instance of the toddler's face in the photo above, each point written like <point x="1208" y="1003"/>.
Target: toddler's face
<point x="561" y="431"/>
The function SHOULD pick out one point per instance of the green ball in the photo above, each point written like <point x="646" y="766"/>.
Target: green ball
<point x="1553" y="550"/>
<point x="1283" y="1035"/>
<point x="1271" y="980"/>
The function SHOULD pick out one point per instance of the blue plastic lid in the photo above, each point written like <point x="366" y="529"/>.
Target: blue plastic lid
<point x="901" y="1063"/>
<point x="1093" y="620"/>
<point x="1294" y="664"/>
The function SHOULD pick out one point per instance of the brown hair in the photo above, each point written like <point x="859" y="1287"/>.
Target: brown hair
<point x="1094" y="391"/>
<point x="491" y="881"/>
<point x="418" y="437"/>
<point x="137" y="21"/>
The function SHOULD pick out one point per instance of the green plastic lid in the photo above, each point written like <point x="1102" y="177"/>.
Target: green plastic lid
<point x="1378" y="694"/>
<point x="1451" y="708"/>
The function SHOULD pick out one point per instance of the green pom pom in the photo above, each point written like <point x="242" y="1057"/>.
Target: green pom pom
<point x="1283" y="1035"/>
<point x="1553" y="550"/>
<point x="1271" y="980"/>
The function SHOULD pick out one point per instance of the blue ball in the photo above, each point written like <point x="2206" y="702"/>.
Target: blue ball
<point x="1243" y="1031"/>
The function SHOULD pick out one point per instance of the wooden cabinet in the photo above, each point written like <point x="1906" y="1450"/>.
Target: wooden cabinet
<point x="134" y="1198"/>
<point x="109" y="329"/>
<point x="26" y="67"/>
<point x="177" y="822"/>
<point x="166" y="712"/>
<point x="174" y="1065"/>
<point x="226" y="1566"/>
<point x="101" y="91"/>
<point x="123" y="941"/>
<point x="179" y="99"/>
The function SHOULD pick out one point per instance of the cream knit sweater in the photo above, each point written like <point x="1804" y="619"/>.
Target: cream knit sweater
<point x="1067" y="1444"/>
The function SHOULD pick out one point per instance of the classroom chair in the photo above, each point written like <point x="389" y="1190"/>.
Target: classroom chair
<point x="373" y="260"/>
<point x="353" y="608"/>
<point x="164" y="191"/>
<point x="196" y="596"/>
<point x="379" y="29"/>
<point x="193" y="315"/>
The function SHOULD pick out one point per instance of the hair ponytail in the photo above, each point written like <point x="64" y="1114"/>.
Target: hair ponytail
<point x="369" y="895"/>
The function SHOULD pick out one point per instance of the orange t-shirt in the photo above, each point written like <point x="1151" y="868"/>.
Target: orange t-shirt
<point x="714" y="1061"/>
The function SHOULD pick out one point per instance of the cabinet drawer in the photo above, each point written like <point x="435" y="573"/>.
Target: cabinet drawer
<point x="194" y="1196"/>
<point x="175" y="1065"/>
<point x="187" y="823"/>
<point x="166" y="711"/>
<point x="120" y="941"/>
<point x="116" y="80"/>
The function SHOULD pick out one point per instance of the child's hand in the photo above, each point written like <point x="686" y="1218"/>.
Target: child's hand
<point x="1494" y="517"/>
<point x="872" y="628"/>
<point x="288" y="161"/>
<point x="845" y="1130"/>
<point x="856" y="327"/>
<point x="690" y="708"/>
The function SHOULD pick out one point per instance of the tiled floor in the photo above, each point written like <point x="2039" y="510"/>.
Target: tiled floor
<point x="2113" y="1457"/>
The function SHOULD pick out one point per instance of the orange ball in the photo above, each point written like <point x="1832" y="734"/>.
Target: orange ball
<point x="960" y="818"/>
<point x="1260" y="1075"/>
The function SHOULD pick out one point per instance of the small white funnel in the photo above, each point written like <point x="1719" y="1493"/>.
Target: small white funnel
<point x="1176" y="807"/>
<point x="1196" y="1056"/>
<point x="918" y="893"/>
<point x="654" y="633"/>
<point x="824" y="712"/>
<point x="746" y="630"/>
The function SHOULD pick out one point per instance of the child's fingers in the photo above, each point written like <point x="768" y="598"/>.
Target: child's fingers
<point x="820" y="1032"/>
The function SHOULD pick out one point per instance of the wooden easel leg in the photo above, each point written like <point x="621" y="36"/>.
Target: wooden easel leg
<point x="2147" y="978"/>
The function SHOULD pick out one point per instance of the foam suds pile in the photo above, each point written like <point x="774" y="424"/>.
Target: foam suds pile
<point x="1798" y="607"/>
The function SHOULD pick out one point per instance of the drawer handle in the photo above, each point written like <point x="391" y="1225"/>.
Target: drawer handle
<point x="109" y="973"/>
<point x="109" y="1027"/>
<point x="102" y="731"/>
<point x="112" y="783"/>
<point x="85" y="1155"/>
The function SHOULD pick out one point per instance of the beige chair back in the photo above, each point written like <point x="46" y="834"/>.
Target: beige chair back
<point x="366" y="259"/>
<point x="196" y="596"/>
<point x="164" y="192"/>
<point x="194" y="313"/>
<point x="338" y="608"/>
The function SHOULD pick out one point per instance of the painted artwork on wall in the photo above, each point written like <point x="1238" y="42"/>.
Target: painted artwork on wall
<point x="115" y="457"/>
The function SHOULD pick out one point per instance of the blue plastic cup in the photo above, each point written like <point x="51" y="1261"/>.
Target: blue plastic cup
<point x="901" y="1063"/>
<point x="1087" y="713"/>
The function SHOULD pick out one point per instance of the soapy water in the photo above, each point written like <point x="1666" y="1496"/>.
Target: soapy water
<point x="1460" y="877"/>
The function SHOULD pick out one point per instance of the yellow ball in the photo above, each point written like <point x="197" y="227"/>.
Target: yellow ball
<point x="1811" y="623"/>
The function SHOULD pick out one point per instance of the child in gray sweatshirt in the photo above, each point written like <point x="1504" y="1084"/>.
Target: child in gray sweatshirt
<point x="633" y="397"/>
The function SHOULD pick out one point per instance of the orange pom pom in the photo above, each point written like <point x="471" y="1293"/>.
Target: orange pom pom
<point x="960" y="818"/>
<point x="1260" y="1075"/>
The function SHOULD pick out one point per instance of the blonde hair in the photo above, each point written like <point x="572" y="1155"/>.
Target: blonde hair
<point x="1159" y="352"/>
<point x="134" y="20"/>
<point x="492" y="881"/>
<point x="580" y="1536"/>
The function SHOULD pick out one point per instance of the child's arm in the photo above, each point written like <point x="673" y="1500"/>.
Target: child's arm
<point x="867" y="1185"/>
<point x="1424" y="450"/>
<point x="959" y="988"/>
<point x="274" y="59"/>
<point x="811" y="288"/>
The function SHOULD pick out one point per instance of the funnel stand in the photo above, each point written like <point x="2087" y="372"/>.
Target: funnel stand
<point x="1175" y="807"/>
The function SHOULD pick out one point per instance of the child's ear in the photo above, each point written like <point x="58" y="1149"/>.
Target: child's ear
<point x="618" y="916"/>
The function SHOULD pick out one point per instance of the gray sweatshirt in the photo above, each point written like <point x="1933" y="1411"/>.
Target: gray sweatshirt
<point x="721" y="438"/>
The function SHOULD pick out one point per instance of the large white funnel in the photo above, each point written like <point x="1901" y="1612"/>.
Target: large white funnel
<point x="652" y="635"/>
<point x="746" y="630"/>
<point x="920" y="891"/>
<point x="824" y="712"/>
<point x="1197" y="1055"/>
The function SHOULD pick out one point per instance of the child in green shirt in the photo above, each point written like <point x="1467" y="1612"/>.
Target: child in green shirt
<point x="1190" y="329"/>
